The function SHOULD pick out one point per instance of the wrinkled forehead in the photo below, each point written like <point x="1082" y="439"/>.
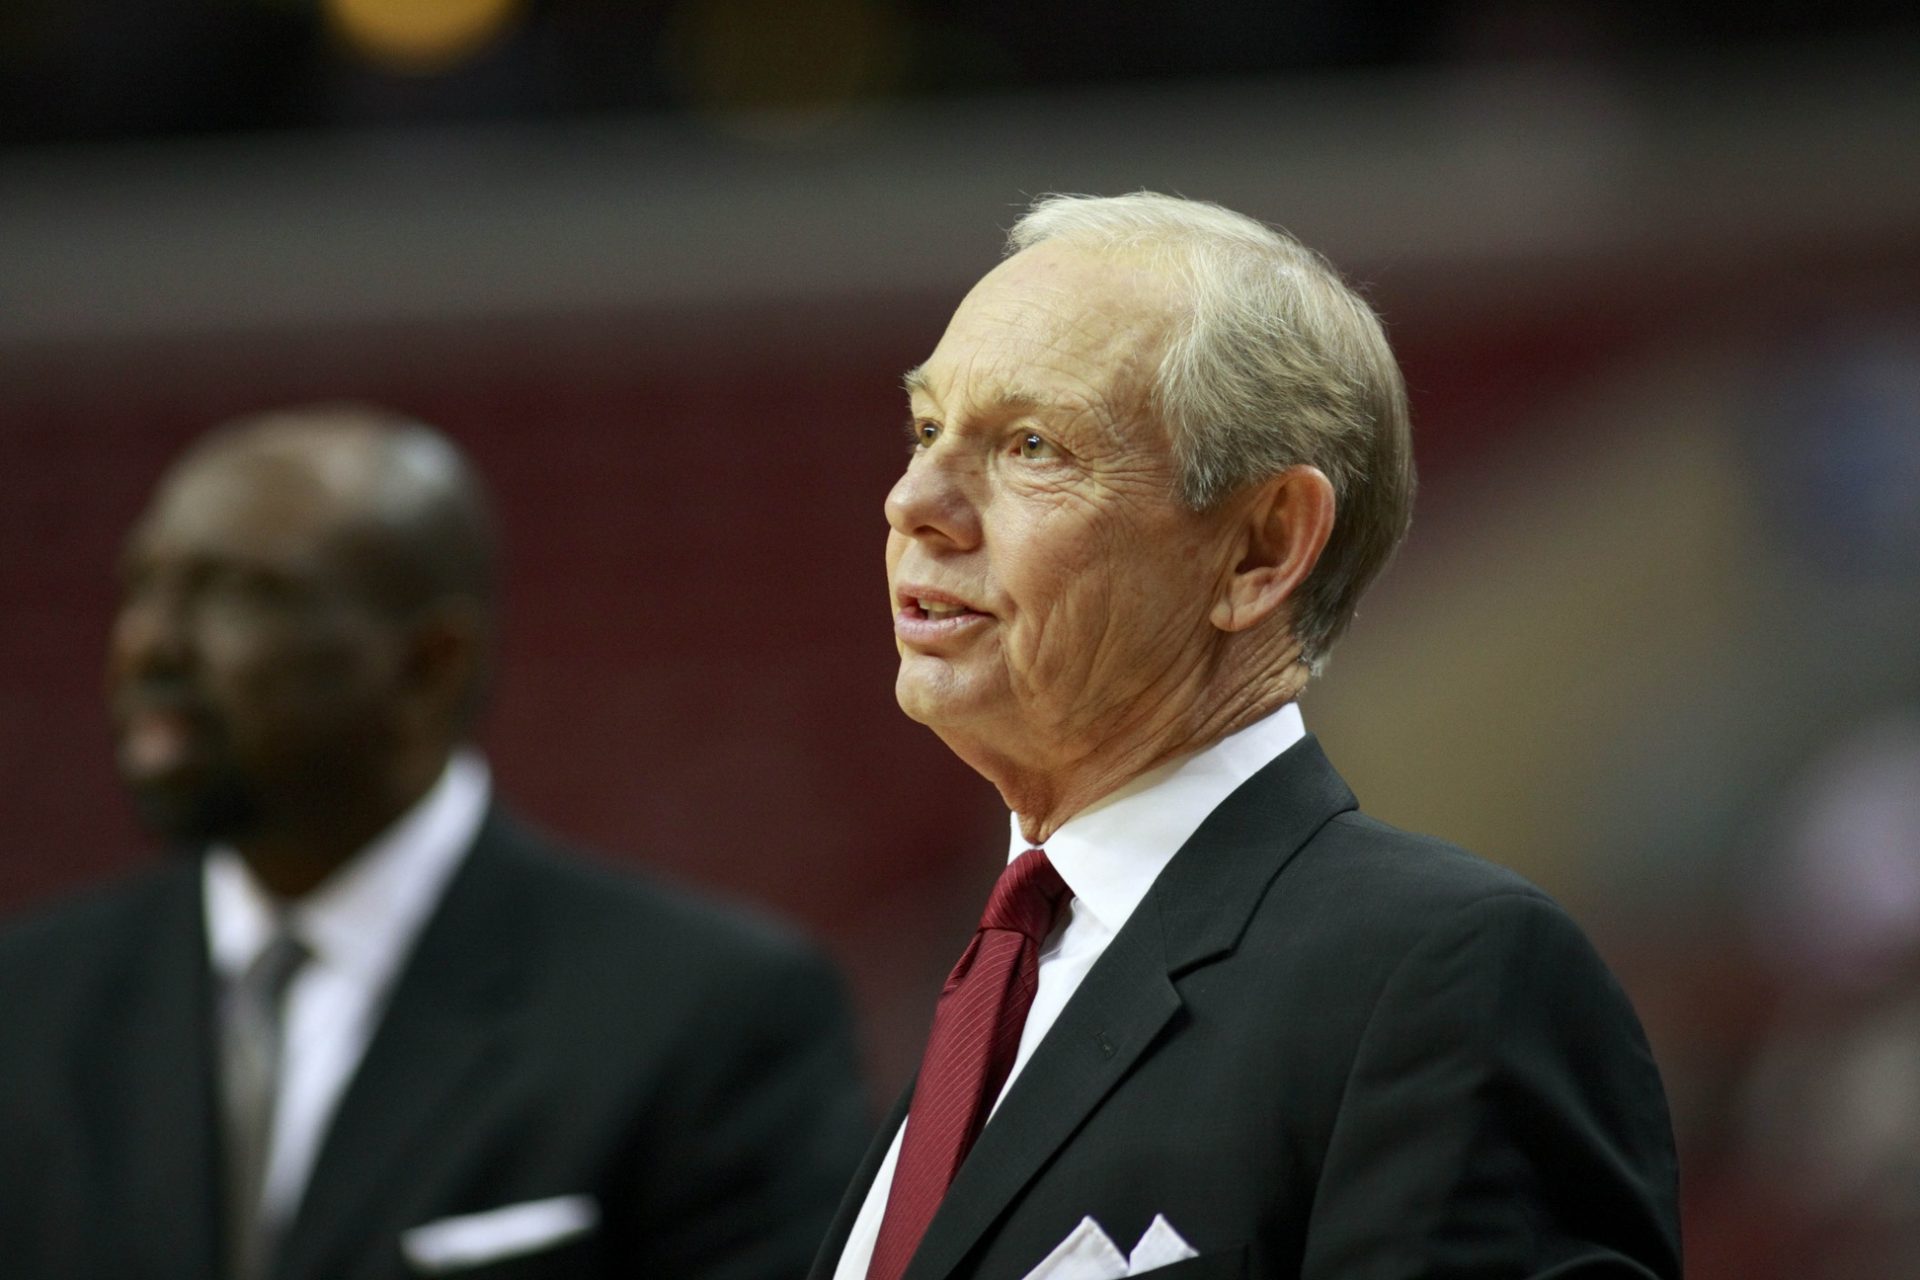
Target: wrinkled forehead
<point x="1053" y="319"/>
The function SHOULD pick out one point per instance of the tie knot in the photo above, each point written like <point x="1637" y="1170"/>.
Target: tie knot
<point x="1026" y="896"/>
<point x="272" y="971"/>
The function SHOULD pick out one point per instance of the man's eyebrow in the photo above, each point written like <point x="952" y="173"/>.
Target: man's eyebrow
<point x="1009" y="400"/>
<point x="1016" y="400"/>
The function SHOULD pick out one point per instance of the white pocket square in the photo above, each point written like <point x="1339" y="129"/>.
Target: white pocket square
<point x="1088" y="1253"/>
<point x="451" y="1244"/>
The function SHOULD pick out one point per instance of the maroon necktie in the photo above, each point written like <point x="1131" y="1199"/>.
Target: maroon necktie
<point x="976" y="1033"/>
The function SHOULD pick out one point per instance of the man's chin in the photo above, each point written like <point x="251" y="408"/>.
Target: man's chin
<point x="931" y="692"/>
<point x="189" y="817"/>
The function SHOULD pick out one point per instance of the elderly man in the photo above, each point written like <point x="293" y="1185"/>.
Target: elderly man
<point x="369" y="1026"/>
<point x="1213" y="1016"/>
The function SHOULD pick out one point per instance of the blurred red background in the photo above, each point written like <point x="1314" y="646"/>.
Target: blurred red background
<point x="1652" y="642"/>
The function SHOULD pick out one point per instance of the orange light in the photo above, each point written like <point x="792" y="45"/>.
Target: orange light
<point x="420" y="36"/>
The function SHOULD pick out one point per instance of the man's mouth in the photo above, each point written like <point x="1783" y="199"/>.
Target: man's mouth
<point x="930" y="616"/>
<point x="157" y="739"/>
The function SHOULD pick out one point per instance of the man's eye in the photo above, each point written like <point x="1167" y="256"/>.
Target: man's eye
<point x="240" y="591"/>
<point x="920" y="434"/>
<point x="1035" y="445"/>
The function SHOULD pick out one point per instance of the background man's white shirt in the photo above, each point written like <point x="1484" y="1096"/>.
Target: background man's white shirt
<point x="358" y="926"/>
<point x="1109" y="855"/>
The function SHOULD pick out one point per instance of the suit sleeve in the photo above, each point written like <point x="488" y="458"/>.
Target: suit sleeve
<point x="1503" y="1116"/>
<point x="759" y="1133"/>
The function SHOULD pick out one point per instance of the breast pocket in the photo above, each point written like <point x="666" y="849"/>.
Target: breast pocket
<point x="1223" y="1264"/>
<point x="567" y="1261"/>
<point x="535" y="1238"/>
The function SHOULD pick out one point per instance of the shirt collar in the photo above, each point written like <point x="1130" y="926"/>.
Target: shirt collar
<point x="364" y="916"/>
<point x="1111" y="853"/>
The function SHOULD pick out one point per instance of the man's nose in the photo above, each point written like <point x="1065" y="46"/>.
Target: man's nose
<point x="150" y="636"/>
<point x="937" y="498"/>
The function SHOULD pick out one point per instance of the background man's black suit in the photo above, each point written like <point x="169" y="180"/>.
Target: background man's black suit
<point x="1326" y="1048"/>
<point x="559" y="1029"/>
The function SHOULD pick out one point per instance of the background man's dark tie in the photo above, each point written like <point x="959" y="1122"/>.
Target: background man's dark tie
<point x="976" y="1034"/>
<point x="251" y="1046"/>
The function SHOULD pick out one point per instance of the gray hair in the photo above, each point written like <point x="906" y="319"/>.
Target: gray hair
<point x="1272" y="362"/>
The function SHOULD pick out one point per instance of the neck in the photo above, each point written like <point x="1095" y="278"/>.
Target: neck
<point x="316" y="837"/>
<point x="1046" y="793"/>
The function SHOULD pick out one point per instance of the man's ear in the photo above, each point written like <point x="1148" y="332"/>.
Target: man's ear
<point x="1283" y="530"/>
<point x="445" y="662"/>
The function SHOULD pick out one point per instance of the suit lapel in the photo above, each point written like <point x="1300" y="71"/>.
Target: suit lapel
<point x="1195" y="913"/>
<point x="443" y="1023"/>
<point x="1209" y="891"/>
<point x="154" y="1070"/>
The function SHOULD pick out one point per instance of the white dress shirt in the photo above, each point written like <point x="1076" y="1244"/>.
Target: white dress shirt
<point x="1109" y="855"/>
<point x="358" y="927"/>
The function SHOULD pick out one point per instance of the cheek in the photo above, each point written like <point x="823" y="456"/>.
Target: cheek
<point x="279" y="684"/>
<point x="1061" y="580"/>
<point x="238" y="663"/>
<point x="1113" y="597"/>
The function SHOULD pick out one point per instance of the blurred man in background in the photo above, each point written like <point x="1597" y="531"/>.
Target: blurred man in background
<point x="367" y="1025"/>
<point x="1212" y="1013"/>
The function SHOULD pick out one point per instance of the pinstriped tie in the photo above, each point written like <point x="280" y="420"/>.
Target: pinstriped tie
<point x="976" y="1034"/>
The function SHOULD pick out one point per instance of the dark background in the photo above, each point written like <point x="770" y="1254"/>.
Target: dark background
<point x="1653" y="272"/>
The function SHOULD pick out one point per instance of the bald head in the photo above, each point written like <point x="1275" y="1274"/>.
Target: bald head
<point x="303" y="633"/>
<point x="410" y="512"/>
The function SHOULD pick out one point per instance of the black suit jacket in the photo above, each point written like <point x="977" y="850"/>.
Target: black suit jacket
<point x="1326" y="1048"/>
<point x="559" y="1029"/>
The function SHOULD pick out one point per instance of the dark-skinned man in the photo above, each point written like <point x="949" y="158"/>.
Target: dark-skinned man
<point x="368" y="1026"/>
